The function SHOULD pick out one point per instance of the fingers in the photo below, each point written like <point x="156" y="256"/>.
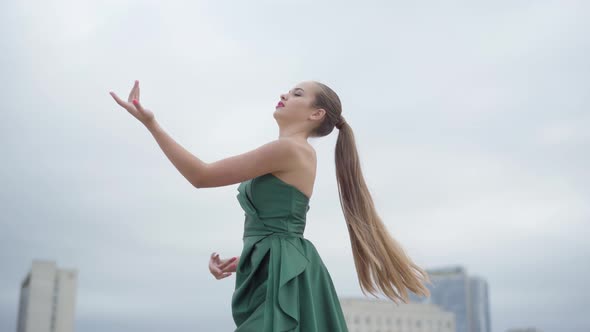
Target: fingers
<point x="129" y="107"/>
<point x="138" y="105"/>
<point x="217" y="273"/>
<point x="229" y="269"/>
<point x="214" y="266"/>
<point x="227" y="262"/>
<point x="133" y="92"/>
<point x="220" y="269"/>
<point x="215" y="257"/>
<point x="229" y="266"/>
<point x="118" y="100"/>
<point x="215" y="270"/>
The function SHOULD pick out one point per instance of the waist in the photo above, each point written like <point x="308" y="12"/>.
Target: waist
<point x="250" y="233"/>
<point x="284" y="227"/>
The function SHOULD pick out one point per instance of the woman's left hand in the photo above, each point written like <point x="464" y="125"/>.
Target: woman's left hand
<point x="222" y="268"/>
<point x="133" y="106"/>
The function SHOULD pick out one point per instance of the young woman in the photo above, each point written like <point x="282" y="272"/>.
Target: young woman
<point x="281" y="282"/>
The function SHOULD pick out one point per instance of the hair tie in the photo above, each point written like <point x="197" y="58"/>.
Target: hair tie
<point x="340" y="123"/>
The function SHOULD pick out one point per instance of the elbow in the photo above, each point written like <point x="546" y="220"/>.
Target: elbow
<point x="197" y="179"/>
<point x="197" y="184"/>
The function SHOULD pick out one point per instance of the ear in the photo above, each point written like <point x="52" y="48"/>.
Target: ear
<point x="318" y="114"/>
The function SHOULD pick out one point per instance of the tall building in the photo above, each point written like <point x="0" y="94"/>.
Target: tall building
<point x="479" y="303"/>
<point x="47" y="299"/>
<point x="373" y="315"/>
<point x="467" y="297"/>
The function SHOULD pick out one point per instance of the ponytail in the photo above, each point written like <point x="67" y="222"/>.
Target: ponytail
<point x="381" y="263"/>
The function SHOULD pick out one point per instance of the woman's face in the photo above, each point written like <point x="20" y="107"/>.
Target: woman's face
<point x="296" y="105"/>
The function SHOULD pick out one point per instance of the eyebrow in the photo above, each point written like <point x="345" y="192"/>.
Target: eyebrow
<point x="298" y="89"/>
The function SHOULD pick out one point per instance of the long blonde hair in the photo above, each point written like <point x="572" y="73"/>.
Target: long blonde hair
<point x="381" y="263"/>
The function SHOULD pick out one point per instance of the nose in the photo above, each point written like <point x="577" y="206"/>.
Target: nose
<point x="283" y="96"/>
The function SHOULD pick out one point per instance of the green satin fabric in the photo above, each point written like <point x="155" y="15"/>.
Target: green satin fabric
<point x="281" y="281"/>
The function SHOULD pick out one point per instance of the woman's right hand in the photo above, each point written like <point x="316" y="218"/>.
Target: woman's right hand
<point x="133" y="106"/>
<point x="222" y="268"/>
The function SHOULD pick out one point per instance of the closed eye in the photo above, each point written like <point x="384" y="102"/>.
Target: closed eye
<point x="299" y="89"/>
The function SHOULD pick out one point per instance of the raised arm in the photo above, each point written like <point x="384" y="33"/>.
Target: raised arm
<point x="278" y="155"/>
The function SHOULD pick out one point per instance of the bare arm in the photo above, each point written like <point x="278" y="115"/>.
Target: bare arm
<point x="186" y="163"/>
<point x="278" y="155"/>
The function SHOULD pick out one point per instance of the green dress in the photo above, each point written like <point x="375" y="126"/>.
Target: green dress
<point x="281" y="282"/>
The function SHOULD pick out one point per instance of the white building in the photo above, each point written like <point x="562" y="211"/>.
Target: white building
<point x="374" y="315"/>
<point x="47" y="299"/>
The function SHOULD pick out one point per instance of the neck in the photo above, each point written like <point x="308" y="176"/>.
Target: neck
<point x="299" y="134"/>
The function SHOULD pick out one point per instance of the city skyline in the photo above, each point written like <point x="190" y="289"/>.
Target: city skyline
<point x="466" y="296"/>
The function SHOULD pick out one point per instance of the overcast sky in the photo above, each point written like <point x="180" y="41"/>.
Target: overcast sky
<point x="471" y="119"/>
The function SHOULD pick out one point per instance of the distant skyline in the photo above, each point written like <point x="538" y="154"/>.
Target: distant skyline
<point x="456" y="290"/>
<point x="471" y="120"/>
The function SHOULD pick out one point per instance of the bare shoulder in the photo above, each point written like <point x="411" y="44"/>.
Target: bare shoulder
<point x="300" y="149"/>
<point x="281" y="155"/>
<point x="302" y="174"/>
